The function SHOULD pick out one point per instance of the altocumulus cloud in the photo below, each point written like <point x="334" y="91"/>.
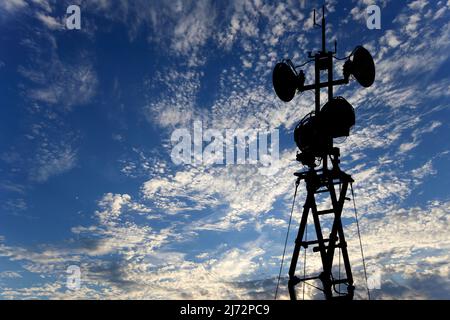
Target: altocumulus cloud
<point x="124" y="253"/>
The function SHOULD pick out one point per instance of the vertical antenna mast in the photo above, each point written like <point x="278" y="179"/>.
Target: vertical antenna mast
<point x="323" y="29"/>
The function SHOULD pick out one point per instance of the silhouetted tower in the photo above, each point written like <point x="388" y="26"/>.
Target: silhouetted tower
<point x="314" y="137"/>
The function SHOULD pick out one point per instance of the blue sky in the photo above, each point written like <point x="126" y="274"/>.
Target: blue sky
<point x="86" y="176"/>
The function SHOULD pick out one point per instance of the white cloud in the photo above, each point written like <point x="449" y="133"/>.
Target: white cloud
<point x="174" y="105"/>
<point x="44" y="4"/>
<point x="112" y="204"/>
<point x="245" y="192"/>
<point x="391" y="39"/>
<point x="49" y="21"/>
<point x="52" y="162"/>
<point x="425" y="170"/>
<point x="9" y="275"/>
<point x="418" y="4"/>
<point x="63" y="85"/>
<point x="193" y="29"/>
<point x="12" y="5"/>
<point x="417" y="136"/>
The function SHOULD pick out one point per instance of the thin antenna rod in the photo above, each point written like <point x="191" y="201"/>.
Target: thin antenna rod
<point x="323" y="29"/>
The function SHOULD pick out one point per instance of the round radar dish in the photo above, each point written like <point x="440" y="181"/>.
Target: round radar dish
<point x="285" y="80"/>
<point x="363" y="67"/>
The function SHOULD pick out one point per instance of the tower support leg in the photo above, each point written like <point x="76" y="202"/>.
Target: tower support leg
<point x="319" y="183"/>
